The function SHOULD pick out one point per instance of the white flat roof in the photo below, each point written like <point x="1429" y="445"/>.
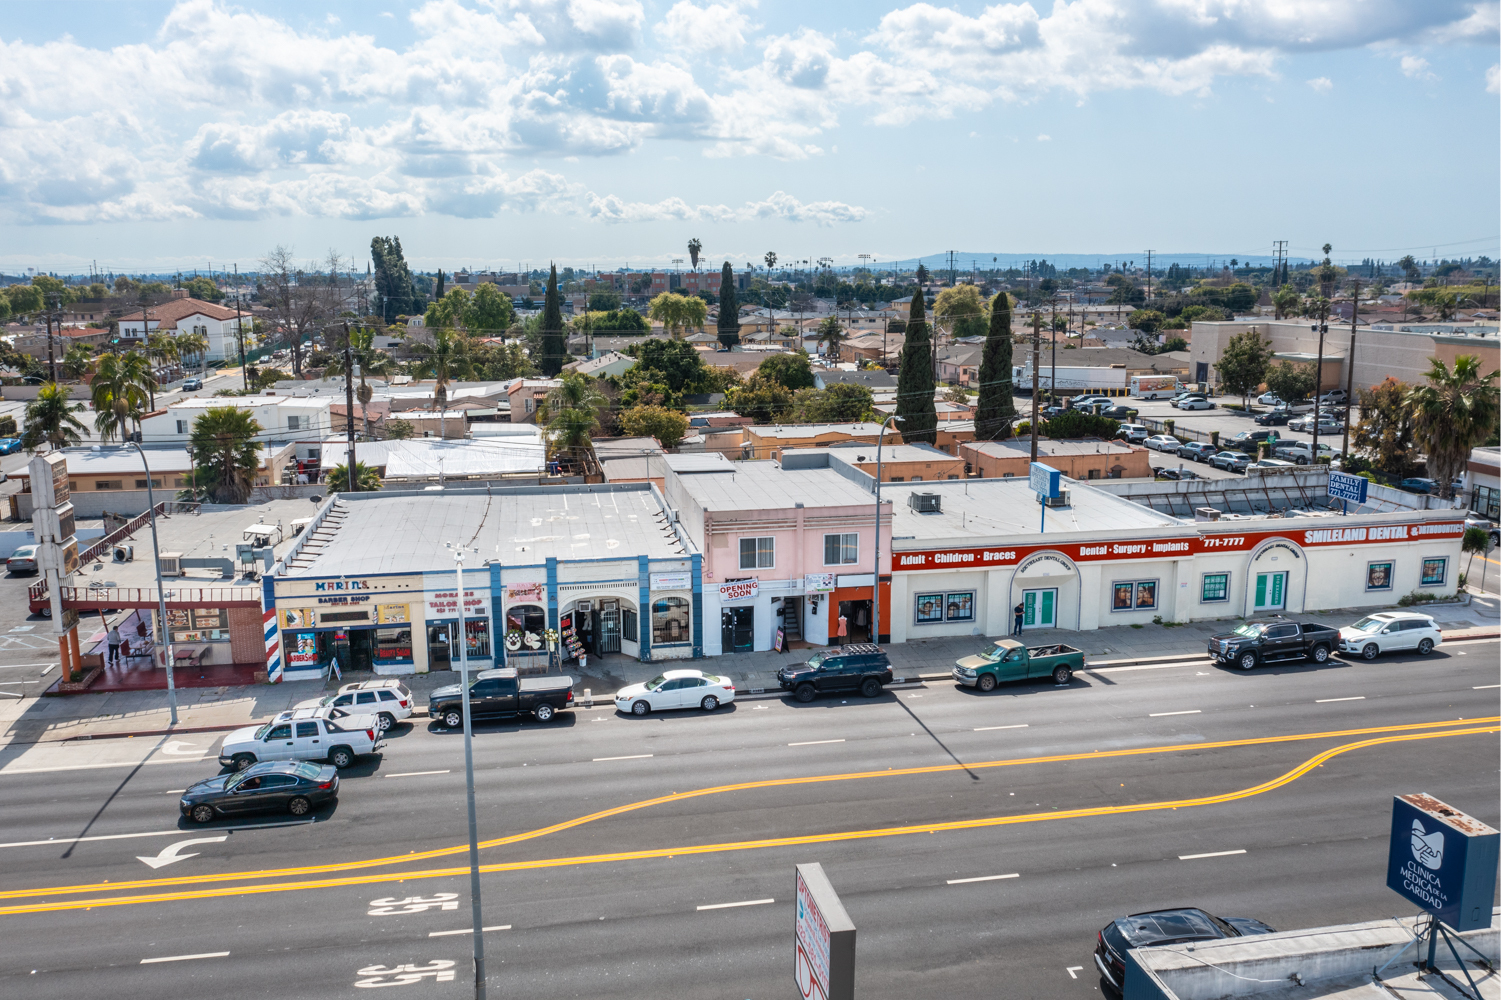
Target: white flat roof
<point x="108" y="460"/>
<point x="420" y="457"/>
<point x="991" y="508"/>
<point x="765" y="485"/>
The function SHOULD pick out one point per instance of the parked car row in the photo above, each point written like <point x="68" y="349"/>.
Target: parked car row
<point x="1275" y="638"/>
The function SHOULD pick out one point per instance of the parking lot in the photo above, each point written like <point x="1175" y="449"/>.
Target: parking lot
<point x="1199" y="424"/>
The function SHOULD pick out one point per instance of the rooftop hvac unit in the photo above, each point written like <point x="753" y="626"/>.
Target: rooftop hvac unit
<point x="171" y="564"/>
<point x="925" y="503"/>
<point x="1206" y="514"/>
<point x="124" y="553"/>
<point x="1061" y="500"/>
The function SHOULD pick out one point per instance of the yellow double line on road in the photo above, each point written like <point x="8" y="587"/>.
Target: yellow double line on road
<point x="1400" y="734"/>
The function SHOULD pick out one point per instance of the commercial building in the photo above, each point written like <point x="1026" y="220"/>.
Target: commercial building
<point x="113" y="478"/>
<point x="221" y="327"/>
<point x="372" y="582"/>
<point x="899" y="463"/>
<point x="788" y="548"/>
<point x="302" y="420"/>
<point x="1092" y="459"/>
<point x="1483" y="481"/>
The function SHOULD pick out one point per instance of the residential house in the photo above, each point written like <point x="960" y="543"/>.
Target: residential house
<point x="35" y="343"/>
<point x="220" y="326"/>
<point x="1085" y="459"/>
<point x="900" y="463"/>
<point x="608" y="363"/>
<point x="301" y="421"/>
<point x="770" y="441"/>
<point x="526" y="394"/>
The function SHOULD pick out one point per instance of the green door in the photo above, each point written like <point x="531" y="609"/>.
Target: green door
<point x="1271" y="589"/>
<point x="1037" y="608"/>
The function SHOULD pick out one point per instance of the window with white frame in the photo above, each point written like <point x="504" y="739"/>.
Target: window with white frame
<point x="758" y="553"/>
<point x="294" y="423"/>
<point x="841" y="550"/>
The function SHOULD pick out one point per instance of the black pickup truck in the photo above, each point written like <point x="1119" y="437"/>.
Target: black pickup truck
<point x="499" y="693"/>
<point x="860" y="666"/>
<point x="1267" y="640"/>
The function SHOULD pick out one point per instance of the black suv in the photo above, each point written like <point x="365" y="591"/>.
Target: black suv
<point x="1144" y="930"/>
<point x="861" y="667"/>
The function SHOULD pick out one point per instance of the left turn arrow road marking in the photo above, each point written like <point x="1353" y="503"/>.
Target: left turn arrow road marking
<point x="169" y="853"/>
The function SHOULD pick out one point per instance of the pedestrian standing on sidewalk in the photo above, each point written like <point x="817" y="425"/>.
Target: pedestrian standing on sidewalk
<point x="114" y="645"/>
<point x="844" y="628"/>
<point x="1019" y="611"/>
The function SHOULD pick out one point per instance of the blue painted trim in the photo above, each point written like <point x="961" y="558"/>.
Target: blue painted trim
<point x="497" y="641"/>
<point x="552" y="593"/>
<point x="698" y="607"/>
<point x="643" y="581"/>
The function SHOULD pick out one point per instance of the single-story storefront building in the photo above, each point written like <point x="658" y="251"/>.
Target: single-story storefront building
<point x="603" y="568"/>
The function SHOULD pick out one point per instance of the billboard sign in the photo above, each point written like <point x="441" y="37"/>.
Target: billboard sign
<point x="740" y="590"/>
<point x="1044" y="479"/>
<point x="824" y="939"/>
<point x="1442" y="860"/>
<point x="1347" y="487"/>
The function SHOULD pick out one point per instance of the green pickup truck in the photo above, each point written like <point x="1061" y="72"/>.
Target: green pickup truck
<point x="1009" y="660"/>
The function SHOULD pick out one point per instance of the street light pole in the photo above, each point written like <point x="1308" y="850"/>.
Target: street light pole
<point x="474" y="892"/>
<point x="163" y="634"/>
<point x="875" y="589"/>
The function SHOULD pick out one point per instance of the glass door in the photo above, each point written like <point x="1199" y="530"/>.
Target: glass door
<point x="1038" y="608"/>
<point x="1271" y="591"/>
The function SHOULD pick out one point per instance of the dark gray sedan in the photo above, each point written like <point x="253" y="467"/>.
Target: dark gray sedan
<point x="296" y="787"/>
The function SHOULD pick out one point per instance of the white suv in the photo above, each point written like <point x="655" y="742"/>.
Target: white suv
<point x="387" y="699"/>
<point x="1386" y="631"/>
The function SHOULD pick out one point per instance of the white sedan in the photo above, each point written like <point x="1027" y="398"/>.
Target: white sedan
<point x="1269" y="399"/>
<point x="676" y="689"/>
<point x="1163" y="442"/>
<point x="1193" y="403"/>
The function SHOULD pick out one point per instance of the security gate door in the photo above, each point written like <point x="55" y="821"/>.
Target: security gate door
<point x="609" y="627"/>
<point x="1038" y="608"/>
<point x="1271" y="591"/>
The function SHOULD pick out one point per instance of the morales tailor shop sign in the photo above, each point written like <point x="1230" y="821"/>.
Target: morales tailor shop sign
<point x="1170" y="548"/>
<point x="823" y="939"/>
<point x="740" y="590"/>
<point x="1442" y="860"/>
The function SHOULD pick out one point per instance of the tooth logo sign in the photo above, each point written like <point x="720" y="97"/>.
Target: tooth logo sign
<point x="1428" y="848"/>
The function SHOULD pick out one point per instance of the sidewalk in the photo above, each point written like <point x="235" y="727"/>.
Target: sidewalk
<point x="33" y="719"/>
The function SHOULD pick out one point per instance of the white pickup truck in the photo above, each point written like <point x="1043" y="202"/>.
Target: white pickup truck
<point x="303" y="734"/>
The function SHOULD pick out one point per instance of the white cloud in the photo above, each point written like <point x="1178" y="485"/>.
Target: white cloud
<point x="779" y="205"/>
<point x="1493" y="79"/>
<point x="1322" y="84"/>
<point x="1044" y="138"/>
<point x="1416" y="68"/>
<point x="715" y="28"/>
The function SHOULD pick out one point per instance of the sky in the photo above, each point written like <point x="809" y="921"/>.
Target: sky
<point x="201" y="134"/>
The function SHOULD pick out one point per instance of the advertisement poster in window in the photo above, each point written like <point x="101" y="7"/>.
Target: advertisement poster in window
<point x="960" y="607"/>
<point x="1146" y="594"/>
<point x="929" y="608"/>
<point x="392" y="614"/>
<point x="290" y="618"/>
<point x="1433" y="572"/>
<point x="1120" y="599"/>
<point x="1378" y="576"/>
<point x="177" y="618"/>
<point x="302" y="649"/>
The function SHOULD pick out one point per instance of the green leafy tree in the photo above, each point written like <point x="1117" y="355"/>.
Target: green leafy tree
<point x="489" y="312"/>
<point x="1243" y="364"/>
<point x="49" y="420"/>
<point x="1441" y="300"/>
<point x="55" y="291"/>
<point x="619" y="321"/>
<point x="1476" y="541"/>
<point x="4" y="308"/>
<point x="1148" y="321"/>
<point x="554" y="336"/>
<point x="995" y="409"/>
<point x="677" y="313"/>
<point x="791" y="371"/>
<point x="680" y="364"/>
<point x="120" y="391"/>
<point x="366" y="477"/>
<point x="1456" y="411"/>
<point x="77" y="362"/>
<point x="914" y="390"/>
<point x="400" y="430"/>
<point x="962" y="309"/>
<point x="1384" y="435"/>
<point x="502" y="361"/>
<point x="393" y="280"/>
<point x="1127" y="293"/>
<point x="1075" y="424"/>
<point x="571" y="412"/>
<point x="840" y="403"/>
<point x="1173" y="344"/>
<point x="226" y="453"/>
<point x="1290" y="382"/>
<point x="729" y="311"/>
<point x="25" y="299"/>
<point x="603" y="300"/>
<point x="203" y="289"/>
<point x="1287" y="302"/>
<point x="763" y="400"/>
<point x="447" y="311"/>
<point x="667" y="426"/>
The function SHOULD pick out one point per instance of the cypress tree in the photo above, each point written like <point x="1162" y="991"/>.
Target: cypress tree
<point x="554" y="339"/>
<point x="729" y="310"/>
<point x="439" y="292"/>
<point x="995" y="411"/>
<point x="914" y="385"/>
<point x="393" y="280"/>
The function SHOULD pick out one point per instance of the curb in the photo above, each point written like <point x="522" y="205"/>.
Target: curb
<point x="149" y="732"/>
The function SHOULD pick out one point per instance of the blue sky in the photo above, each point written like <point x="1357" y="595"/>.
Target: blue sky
<point x="183" y="135"/>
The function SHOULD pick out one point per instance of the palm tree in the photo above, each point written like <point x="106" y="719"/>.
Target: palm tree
<point x="226" y="453"/>
<point x="572" y="409"/>
<point x="1453" y="413"/>
<point x="161" y="349"/>
<point x="191" y="345"/>
<point x="446" y="358"/>
<point x="50" y="420"/>
<point x="369" y="361"/>
<point x="831" y="333"/>
<point x="119" y="393"/>
<point x="366" y="477"/>
<point x="695" y="247"/>
<point x="77" y="362"/>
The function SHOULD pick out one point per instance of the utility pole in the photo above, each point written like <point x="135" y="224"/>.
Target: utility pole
<point x="1036" y="371"/>
<point x="1053" y="336"/>
<point x="240" y="330"/>
<point x="1326" y="275"/>
<point x="349" y="376"/>
<point x="51" y="361"/>
<point x="1279" y="270"/>
<point x="1350" y="366"/>
<point x="1149" y="276"/>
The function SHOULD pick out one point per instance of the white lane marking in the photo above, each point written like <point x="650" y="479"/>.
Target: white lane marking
<point x="192" y="749"/>
<point x="986" y="729"/>
<point x="185" y="958"/>
<point x="1211" y="854"/>
<point x="174" y="791"/>
<point x="90" y="767"/>
<point x="168" y="855"/>
<point x="982" y="878"/>
<point x="414" y="774"/>
<point x="1073" y="969"/>
<point x="12" y="694"/>
<point x="1322" y="701"/>
<point x="158" y="833"/>
<point x="1486" y="687"/>
<point x="1187" y="711"/>
<point x="813" y="743"/>
<point x="469" y="930"/>
<point x="726" y="906"/>
<point x="633" y="756"/>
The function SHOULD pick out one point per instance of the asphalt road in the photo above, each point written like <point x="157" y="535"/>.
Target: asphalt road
<point x="1085" y="799"/>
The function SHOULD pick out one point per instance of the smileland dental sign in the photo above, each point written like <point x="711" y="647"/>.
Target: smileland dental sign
<point x="1442" y="860"/>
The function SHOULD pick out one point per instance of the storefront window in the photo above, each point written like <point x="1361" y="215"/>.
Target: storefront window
<point x="1134" y="595"/>
<point x="669" y="621"/>
<point x="525" y="625"/>
<point x="393" y="645"/>
<point x="1434" y="571"/>
<point x="1486" y="500"/>
<point x="960" y="607"/>
<point x="477" y="630"/>
<point x="1378" y="576"/>
<point x="1216" y="588"/>
<point x="929" y="608"/>
<point x="302" y="649"/>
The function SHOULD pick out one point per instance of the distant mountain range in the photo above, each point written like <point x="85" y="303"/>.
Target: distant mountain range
<point x="966" y="260"/>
